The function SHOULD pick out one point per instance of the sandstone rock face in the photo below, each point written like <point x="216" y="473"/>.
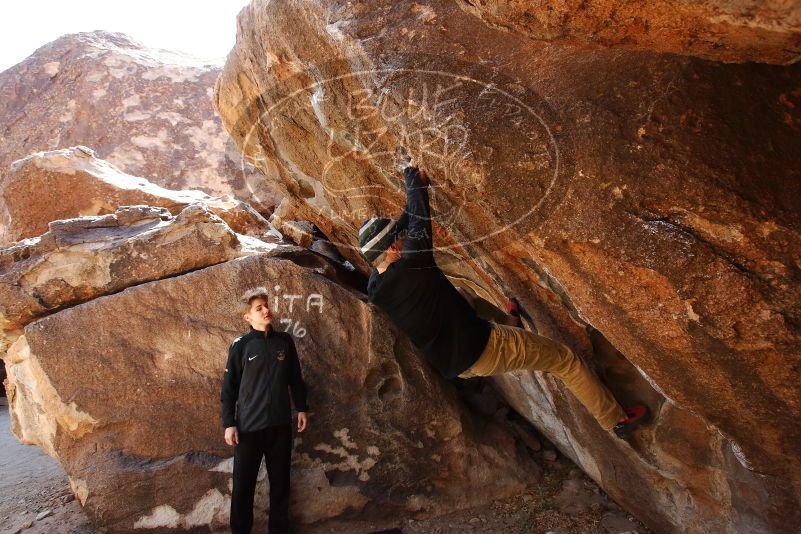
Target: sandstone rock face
<point x="132" y="412"/>
<point x="301" y="232"/>
<point x="73" y="182"/>
<point x="81" y="259"/>
<point x="768" y="32"/>
<point x="644" y="208"/>
<point x="144" y="110"/>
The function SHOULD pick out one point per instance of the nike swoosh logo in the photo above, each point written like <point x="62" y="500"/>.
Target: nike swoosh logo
<point x="256" y="356"/>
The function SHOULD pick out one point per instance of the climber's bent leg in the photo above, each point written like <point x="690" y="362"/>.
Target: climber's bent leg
<point x="515" y="349"/>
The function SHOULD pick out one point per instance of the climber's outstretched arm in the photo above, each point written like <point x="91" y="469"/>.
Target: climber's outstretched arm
<point x="418" y="245"/>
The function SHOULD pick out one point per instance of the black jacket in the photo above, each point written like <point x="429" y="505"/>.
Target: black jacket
<point x="420" y="300"/>
<point x="261" y="367"/>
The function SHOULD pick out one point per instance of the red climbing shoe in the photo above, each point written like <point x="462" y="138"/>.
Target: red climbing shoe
<point x="637" y="416"/>
<point x="513" y="307"/>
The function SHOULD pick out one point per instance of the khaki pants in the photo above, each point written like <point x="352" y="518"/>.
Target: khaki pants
<point x="515" y="349"/>
<point x="484" y="309"/>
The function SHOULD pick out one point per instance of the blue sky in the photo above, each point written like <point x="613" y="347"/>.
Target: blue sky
<point x="206" y="29"/>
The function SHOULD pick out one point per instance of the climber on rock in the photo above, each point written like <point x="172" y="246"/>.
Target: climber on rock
<point x="444" y="324"/>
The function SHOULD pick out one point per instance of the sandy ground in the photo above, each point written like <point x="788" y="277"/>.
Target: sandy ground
<point x="32" y="483"/>
<point x="565" y="501"/>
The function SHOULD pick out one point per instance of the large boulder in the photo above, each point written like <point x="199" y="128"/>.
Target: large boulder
<point x="124" y="391"/>
<point x="643" y="206"/>
<point x="73" y="182"/>
<point x="83" y="258"/>
<point x="146" y="111"/>
<point x="769" y="32"/>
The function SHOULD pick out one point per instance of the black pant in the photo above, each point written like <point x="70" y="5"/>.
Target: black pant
<point x="275" y="444"/>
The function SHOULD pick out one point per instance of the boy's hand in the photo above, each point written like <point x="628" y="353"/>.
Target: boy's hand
<point x="302" y="421"/>
<point x="232" y="436"/>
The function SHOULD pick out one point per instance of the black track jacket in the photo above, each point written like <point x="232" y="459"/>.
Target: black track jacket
<point x="418" y="297"/>
<point x="261" y="367"/>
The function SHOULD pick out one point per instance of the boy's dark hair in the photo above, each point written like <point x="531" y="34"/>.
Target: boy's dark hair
<point x="247" y="298"/>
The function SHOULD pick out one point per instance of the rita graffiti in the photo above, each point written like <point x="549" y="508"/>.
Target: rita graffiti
<point x="285" y="304"/>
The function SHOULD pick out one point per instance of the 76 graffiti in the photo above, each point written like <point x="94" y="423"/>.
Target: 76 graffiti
<point x="294" y="327"/>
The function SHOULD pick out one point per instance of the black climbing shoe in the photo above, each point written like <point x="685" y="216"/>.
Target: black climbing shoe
<point x="637" y="416"/>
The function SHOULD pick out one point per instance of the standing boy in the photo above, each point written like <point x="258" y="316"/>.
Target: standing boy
<point x="262" y="366"/>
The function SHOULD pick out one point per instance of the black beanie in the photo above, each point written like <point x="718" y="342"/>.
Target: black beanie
<point x="375" y="236"/>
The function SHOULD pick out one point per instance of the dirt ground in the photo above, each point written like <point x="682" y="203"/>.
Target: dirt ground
<point x="565" y="501"/>
<point x="32" y="483"/>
